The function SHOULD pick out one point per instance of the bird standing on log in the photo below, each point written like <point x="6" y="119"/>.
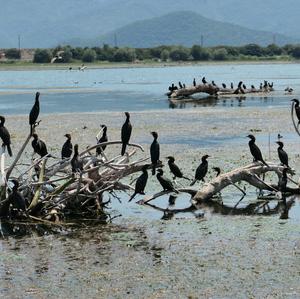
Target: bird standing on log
<point x="204" y="80"/>
<point x="5" y="136"/>
<point x="126" y="133"/>
<point x="297" y="109"/>
<point x="102" y="139"/>
<point x="67" y="148"/>
<point x="39" y="146"/>
<point x="201" y="170"/>
<point x="165" y="183"/>
<point x="16" y="198"/>
<point x="34" y="113"/>
<point x="255" y="151"/>
<point x="175" y="169"/>
<point x="217" y="170"/>
<point x="76" y="162"/>
<point x="194" y="82"/>
<point x="283" y="156"/>
<point x="140" y="183"/>
<point x="154" y="152"/>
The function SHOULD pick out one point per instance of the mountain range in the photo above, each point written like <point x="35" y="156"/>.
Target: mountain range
<point x="47" y="23"/>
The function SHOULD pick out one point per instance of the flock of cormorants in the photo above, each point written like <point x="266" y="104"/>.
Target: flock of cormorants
<point x="39" y="147"/>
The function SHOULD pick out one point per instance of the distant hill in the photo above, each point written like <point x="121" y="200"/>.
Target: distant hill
<point x="186" y="28"/>
<point x="47" y="23"/>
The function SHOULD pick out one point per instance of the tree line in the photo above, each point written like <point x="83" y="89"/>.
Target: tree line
<point x="161" y="53"/>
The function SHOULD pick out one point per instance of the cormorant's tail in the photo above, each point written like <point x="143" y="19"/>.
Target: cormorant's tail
<point x="132" y="196"/>
<point x="193" y="182"/>
<point x="9" y="150"/>
<point x="123" y="149"/>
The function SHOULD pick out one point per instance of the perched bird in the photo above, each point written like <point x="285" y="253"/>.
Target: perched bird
<point x="244" y="86"/>
<point x="217" y="170"/>
<point x="283" y="156"/>
<point x="201" y="170"/>
<point x="255" y="151"/>
<point x="180" y="84"/>
<point x="102" y="139"/>
<point x="165" y="183"/>
<point x="283" y="180"/>
<point x="175" y="169"/>
<point x="194" y="82"/>
<point x="223" y="85"/>
<point x="140" y="183"/>
<point x="204" y="80"/>
<point x="76" y="162"/>
<point x="240" y="84"/>
<point x="213" y="83"/>
<point x="4" y="135"/>
<point x="16" y="198"/>
<point x="297" y="109"/>
<point x="184" y="86"/>
<point x="289" y="89"/>
<point x="154" y="152"/>
<point x="260" y="86"/>
<point x="252" y="87"/>
<point x="34" y="113"/>
<point x="231" y="85"/>
<point x="126" y="133"/>
<point x="39" y="146"/>
<point x="67" y="148"/>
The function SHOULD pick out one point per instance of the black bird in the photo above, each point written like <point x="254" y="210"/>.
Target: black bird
<point x="244" y="86"/>
<point x="297" y="109"/>
<point x="201" y="170"/>
<point x="140" y="183"/>
<point x="224" y="85"/>
<point x="217" y="170"/>
<point x="283" y="180"/>
<point x="204" y="80"/>
<point x="4" y="135"/>
<point x="76" y="162"/>
<point x="154" y="152"/>
<point x="175" y="169"/>
<point x="240" y="84"/>
<point x="231" y="85"/>
<point x="165" y="183"/>
<point x="283" y="156"/>
<point x="67" y="148"/>
<point x="213" y="83"/>
<point x="39" y="146"/>
<point x="184" y="86"/>
<point x="126" y="133"/>
<point x="255" y="151"/>
<point x="102" y="139"/>
<point x="252" y="86"/>
<point x="180" y="85"/>
<point x="16" y="198"/>
<point x="194" y="82"/>
<point x="34" y="113"/>
<point x="260" y="86"/>
<point x="265" y="84"/>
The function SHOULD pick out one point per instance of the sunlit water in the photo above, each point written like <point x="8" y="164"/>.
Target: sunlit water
<point x="139" y="255"/>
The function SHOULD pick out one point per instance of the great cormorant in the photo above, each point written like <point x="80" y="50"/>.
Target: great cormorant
<point x="180" y="85"/>
<point x="297" y="109"/>
<point x="154" y="152"/>
<point x="244" y="86"/>
<point x="126" y="132"/>
<point x="283" y="156"/>
<point x="223" y="85"/>
<point x="231" y="85"/>
<point x="34" y="113"/>
<point x="39" y="146"/>
<point x="255" y="151"/>
<point x="4" y="135"/>
<point x="217" y="170"/>
<point x="175" y="169"/>
<point x="204" y="80"/>
<point x="16" y="198"/>
<point x="194" y="82"/>
<point x="213" y="83"/>
<point x="102" y="139"/>
<point x="140" y="183"/>
<point x="67" y="148"/>
<point x="165" y="183"/>
<point x="201" y="170"/>
<point x="76" y="162"/>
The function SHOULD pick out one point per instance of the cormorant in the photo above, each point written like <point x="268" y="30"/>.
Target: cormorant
<point x="204" y="80"/>
<point x="34" y="113"/>
<point x="175" y="169"/>
<point x="240" y="84"/>
<point x="180" y="85"/>
<point x="140" y="183"/>
<point x="76" y="162"/>
<point x="283" y="156"/>
<point x="244" y="86"/>
<point x="39" y="146"/>
<point x="154" y="152"/>
<point x="183" y="85"/>
<point x="201" y="170"/>
<point x="126" y="133"/>
<point x="231" y="85"/>
<point x="255" y="151"/>
<point x="252" y="87"/>
<point x="4" y="135"/>
<point x="67" y="148"/>
<point x="265" y="84"/>
<point x="224" y="85"/>
<point x="165" y="183"/>
<point x="297" y="109"/>
<point x="102" y="139"/>
<point x="217" y="170"/>
<point x="16" y="198"/>
<point x="213" y="83"/>
<point x="260" y="86"/>
<point x="194" y="82"/>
